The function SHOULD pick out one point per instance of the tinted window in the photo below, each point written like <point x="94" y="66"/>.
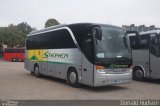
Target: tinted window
<point x="8" y="51"/>
<point x="19" y="50"/>
<point x="88" y="47"/>
<point x="51" y="40"/>
<point x="133" y="42"/>
<point x="139" y="42"/>
<point x="79" y="32"/>
<point x="14" y="50"/>
<point x="155" y="46"/>
<point x="144" y="42"/>
<point x="84" y="37"/>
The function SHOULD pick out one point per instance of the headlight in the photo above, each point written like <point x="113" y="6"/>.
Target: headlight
<point x="102" y="71"/>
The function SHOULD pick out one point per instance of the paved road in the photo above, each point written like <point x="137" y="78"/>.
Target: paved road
<point x="18" y="83"/>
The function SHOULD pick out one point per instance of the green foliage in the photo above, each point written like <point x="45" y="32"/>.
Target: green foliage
<point x="14" y="35"/>
<point x="51" y="22"/>
<point x="24" y="27"/>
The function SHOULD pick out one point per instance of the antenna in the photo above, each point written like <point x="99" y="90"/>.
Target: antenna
<point x="109" y="21"/>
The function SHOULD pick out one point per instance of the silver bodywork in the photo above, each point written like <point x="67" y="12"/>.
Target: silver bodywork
<point x="141" y="59"/>
<point x="112" y="78"/>
<point x="87" y="73"/>
<point x="146" y="60"/>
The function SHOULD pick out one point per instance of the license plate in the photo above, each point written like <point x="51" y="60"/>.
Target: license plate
<point x="118" y="70"/>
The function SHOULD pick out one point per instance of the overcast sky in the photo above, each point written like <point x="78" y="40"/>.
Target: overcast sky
<point x="115" y="12"/>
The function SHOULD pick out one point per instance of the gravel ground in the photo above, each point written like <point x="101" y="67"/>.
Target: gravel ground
<point x="18" y="84"/>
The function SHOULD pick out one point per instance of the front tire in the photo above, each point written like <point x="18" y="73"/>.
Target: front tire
<point x="13" y="59"/>
<point x="72" y="78"/>
<point x="138" y="74"/>
<point x="19" y="60"/>
<point x="36" y="72"/>
<point x="32" y="72"/>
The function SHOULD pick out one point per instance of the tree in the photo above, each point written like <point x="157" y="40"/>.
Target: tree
<point x="15" y="35"/>
<point x="12" y="36"/>
<point x="25" y="28"/>
<point x="51" y="22"/>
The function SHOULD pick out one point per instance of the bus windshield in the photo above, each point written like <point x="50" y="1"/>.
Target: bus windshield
<point x="113" y="47"/>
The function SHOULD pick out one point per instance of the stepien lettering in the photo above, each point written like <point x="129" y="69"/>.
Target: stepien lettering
<point x="118" y="66"/>
<point x="55" y="55"/>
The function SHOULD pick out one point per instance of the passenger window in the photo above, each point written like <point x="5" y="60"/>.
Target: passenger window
<point x="87" y="47"/>
<point x="144" y="42"/>
<point x="134" y="42"/>
<point x="155" y="49"/>
<point x="59" y="39"/>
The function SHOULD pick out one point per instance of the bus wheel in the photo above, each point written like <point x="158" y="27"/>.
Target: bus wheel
<point x="138" y="74"/>
<point x="32" y="72"/>
<point x="19" y="60"/>
<point x="72" y="78"/>
<point x="13" y="59"/>
<point x="36" y="71"/>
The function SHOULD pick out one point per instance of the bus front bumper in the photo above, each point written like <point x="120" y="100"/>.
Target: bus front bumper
<point x="112" y="79"/>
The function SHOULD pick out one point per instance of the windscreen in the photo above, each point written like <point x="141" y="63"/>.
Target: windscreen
<point x="114" y="45"/>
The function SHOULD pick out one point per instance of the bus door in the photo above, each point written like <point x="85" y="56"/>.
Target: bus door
<point x="87" y="65"/>
<point x="154" y="56"/>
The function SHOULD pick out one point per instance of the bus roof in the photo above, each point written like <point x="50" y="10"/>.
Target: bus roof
<point x="150" y="32"/>
<point x="14" y="48"/>
<point x="68" y="25"/>
<point x="147" y="32"/>
<point x="48" y="28"/>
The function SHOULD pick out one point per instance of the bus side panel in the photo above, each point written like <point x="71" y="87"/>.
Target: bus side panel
<point x="74" y="61"/>
<point x="155" y="57"/>
<point x="51" y="69"/>
<point x="19" y="55"/>
<point x="5" y="56"/>
<point x="60" y="60"/>
<point x="29" y="65"/>
<point x="13" y="55"/>
<point x="87" y="72"/>
<point x="59" y="70"/>
<point x="33" y="57"/>
<point x="22" y="56"/>
<point x="141" y="58"/>
<point x="56" y="62"/>
<point x="155" y="66"/>
<point x="9" y="56"/>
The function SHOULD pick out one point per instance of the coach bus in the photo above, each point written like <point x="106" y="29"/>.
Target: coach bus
<point x="83" y="53"/>
<point x="146" y="54"/>
<point x="14" y="54"/>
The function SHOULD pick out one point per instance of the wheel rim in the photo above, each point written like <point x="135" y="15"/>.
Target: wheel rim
<point x="19" y="59"/>
<point x="139" y="74"/>
<point x="72" y="77"/>
<point x="36" y="70"/>
<point x="14" y="60"/>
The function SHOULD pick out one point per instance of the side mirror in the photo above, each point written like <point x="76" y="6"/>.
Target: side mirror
<point x="97" y="32"/>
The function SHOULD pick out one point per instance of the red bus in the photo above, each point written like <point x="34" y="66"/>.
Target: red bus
<point x="14" y="54"/>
